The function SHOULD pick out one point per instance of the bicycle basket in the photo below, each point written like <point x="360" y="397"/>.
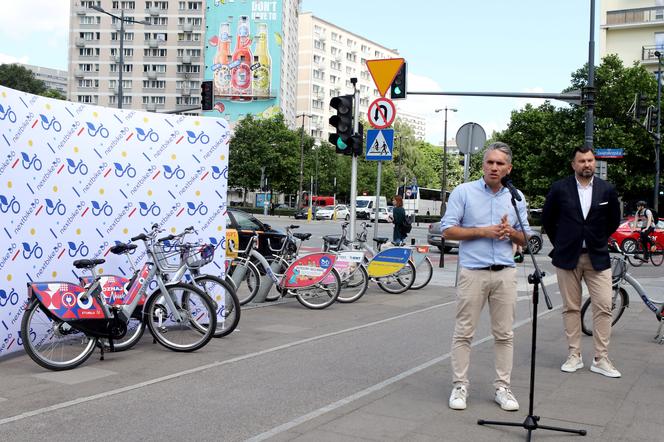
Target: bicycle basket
<point x="618" y="269"/>
<point x="198" y="255"/>
<point x="167" y="256"/>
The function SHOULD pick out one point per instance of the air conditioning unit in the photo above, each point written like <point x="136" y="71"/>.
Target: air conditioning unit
<point x="80" y="43"/>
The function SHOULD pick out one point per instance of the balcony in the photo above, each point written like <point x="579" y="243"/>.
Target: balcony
<point x="186" y="59"/>
<point x="79" y="73"/>
<point x="153" y="44"/>
<point x="188" y="27"/>
<point x="154" y="11"/>
<point x="152" y="75"/>
<point x="80" y="43"/>
<point x="186" y="92"/>
<point x="635" y="17"/>
<point x="151" y="107"/>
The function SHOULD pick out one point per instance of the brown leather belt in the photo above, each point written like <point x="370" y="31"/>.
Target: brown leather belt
<point x="493" y="268"/>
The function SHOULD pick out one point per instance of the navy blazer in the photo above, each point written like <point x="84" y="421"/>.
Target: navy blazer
<point x="563" y="222"/>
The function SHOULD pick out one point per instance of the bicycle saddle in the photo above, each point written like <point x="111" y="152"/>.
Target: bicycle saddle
<point x="119" y="249"/>
<point x="381" y="240"/>
<point x="302" y="236"/>
<point x="293" y="226"/>
<point x="87" y="263"/>
<point x="332" y="239"/>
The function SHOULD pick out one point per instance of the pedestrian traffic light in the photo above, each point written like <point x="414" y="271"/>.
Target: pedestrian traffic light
<point x="343" y="122"/>
<point x="207" y="95"/>
<point x="398" y="87"/>
<point x="653" y="115"/>
<point x="357" y="142"/>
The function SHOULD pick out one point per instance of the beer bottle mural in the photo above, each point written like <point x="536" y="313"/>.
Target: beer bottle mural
<point x="262" y="65"/>
<point x="241" y="65"/>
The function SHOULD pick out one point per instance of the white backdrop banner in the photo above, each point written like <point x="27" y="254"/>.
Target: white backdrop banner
<point x="75" y="179"/>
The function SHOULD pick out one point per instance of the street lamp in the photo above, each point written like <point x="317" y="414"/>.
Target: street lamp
<point x="443" y="180"/>
<point x="658" y="136"/>
<point x="299" y="189"/>
<point x="121" y="61"/>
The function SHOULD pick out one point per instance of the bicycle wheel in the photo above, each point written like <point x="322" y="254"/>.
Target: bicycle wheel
<point x="56" y="345"/>
<point x="423" y="275"/>
<point x="228" y="306"/>
<point x="657" y="255"/>
<point x="620" y="301"/>
<point x="196" y="310"/>
<point x="321" y="295"/>
<point x="246" y="278"/>
<point x="400" y="281"/>
<point x="135" y="330"/>
<point x="355" y="286"/>
<point x="634" y="251"/>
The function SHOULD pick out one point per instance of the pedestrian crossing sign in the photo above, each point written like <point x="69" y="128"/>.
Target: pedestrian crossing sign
<point x="379" y="144"/>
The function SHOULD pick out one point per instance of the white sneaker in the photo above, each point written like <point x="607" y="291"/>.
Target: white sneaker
<point x="458" y="398"/>
<point x="605" y="367"/>
<point x="572" y="364"/>
<point x="505" y="398"/>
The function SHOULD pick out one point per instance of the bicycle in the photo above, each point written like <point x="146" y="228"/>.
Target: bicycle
<point x="620" y="301"/>
<point x="66" y="321"/>
<point x="633" y="248"/>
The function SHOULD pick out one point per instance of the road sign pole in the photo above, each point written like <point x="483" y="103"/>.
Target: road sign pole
<point x="379" y="174"/>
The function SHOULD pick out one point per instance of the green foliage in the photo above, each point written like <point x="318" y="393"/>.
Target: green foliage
<point x="18" y="77"/>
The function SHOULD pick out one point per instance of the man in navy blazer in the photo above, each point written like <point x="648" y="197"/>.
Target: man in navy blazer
<point x="579" y="214"/>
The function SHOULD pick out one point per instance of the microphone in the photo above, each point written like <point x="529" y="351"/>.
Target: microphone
<point x="507" y="182"/>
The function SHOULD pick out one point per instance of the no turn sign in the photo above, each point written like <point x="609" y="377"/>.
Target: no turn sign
<point x="381" y="113"/>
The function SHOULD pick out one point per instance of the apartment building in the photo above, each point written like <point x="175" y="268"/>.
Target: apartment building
<point x="52" y="78"/>
<point x="329" y="56"/>
<point x="166" y="45"/>
<point x="632" y="29"/>
<point x="417" y="122"/>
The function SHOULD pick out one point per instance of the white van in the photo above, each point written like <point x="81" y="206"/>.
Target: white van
<point x="366" y="205"/>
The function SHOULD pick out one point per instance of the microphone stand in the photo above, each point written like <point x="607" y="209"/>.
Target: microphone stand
<point x="531" y="423"/>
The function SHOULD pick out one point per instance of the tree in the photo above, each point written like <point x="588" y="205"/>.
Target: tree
<point x="18" y="77"/>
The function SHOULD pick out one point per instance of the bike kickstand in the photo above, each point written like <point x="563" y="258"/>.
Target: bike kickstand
<point x="101" y="358"/>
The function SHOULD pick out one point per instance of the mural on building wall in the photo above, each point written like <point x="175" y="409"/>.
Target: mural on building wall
<point x="243" y="56"/>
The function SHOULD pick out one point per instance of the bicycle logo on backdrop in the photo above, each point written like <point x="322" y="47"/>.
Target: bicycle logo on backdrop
<point x="193" y="138"/>
<point x="33" y="162"/>
<point x="153" y="209"/>
<point x="218" y="173"/>
<point x="151" y="134"/>
<point x="6" y="206"/>
<point x="177" y="172"/>
<point x="77" y="250"/>
<point x="93" y="131"/>
<point x="7" y="114"/>
<point x="98" y="209"/>
<point x="126" y="170"/>
<point x="193" y="209"/>
<point x="55" y="207"/>
<point x="47" y="124"/>
<point x="30" y="251"/>
<point x="73" y="167"/>
<point x="8" y="298"/>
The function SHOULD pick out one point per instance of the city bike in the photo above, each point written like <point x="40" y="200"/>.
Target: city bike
<point x="621" y="279"/>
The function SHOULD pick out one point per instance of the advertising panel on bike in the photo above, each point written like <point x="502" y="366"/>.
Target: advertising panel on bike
<point x="77" y="179"/>
<point x="388" y="262"/>
<point x="308" y="270"/>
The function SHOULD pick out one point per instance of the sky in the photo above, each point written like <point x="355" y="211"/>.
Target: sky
<point x="449" y="45"/>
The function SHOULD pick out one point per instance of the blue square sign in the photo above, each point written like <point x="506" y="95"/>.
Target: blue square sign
<point x="380" y="143"/>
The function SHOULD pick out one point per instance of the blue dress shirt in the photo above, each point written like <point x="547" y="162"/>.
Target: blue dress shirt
<point x="474" y="204"/>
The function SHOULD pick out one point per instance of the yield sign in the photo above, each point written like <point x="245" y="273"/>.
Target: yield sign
<point x="383" y="72"/>
<point x="381" y="113"/>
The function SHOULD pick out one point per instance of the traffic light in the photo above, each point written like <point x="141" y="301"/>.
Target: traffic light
<point x="398" y="87"/>
<point x="653" y="114"/>
<point x="343" y="122"/>
<point x="357" y="142"/>
<point x="641" y="109"/>
<point x="207" y="95"/>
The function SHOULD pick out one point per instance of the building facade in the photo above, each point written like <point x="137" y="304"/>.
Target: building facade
<point x="417" y="122"/>
<point x="329" y="56"/>
<point x="163" y="56"/>
<point x="52" y="78"/>
<point x="632" y="29"/>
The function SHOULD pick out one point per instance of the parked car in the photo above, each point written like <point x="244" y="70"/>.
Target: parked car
<point x="434" y="238"/>
<point x="248" y="225"/>
<point x="383" y="215"/>
<point x="328" y="212"/>
<point x="302" y="212"/>
<point x="627" y="239"/>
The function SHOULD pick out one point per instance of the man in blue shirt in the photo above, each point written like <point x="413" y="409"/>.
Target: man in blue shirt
<point x="481" y="216"/>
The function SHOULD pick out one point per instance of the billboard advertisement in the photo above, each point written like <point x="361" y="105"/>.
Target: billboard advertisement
<point x="75" y="179"/>
<point x="243" y="57"/>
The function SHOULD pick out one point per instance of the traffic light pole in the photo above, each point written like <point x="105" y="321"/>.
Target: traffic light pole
<point x="353" y="169"/>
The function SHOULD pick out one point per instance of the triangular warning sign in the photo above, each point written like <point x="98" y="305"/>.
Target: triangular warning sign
<point x="383" y="72"/>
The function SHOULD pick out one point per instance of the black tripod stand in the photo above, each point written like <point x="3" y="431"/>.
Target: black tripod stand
<point x="531" y="422"/>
